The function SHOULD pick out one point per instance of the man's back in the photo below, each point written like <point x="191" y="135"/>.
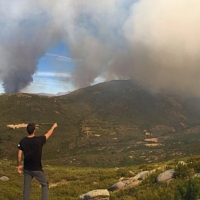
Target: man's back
<point x="32" y="149"/>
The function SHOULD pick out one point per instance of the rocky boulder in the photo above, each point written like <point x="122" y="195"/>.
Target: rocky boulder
<point x="101" y="194"/>
<point x="4" y="178"/>
<point x="141" y="176"/>
<point x="168" y="174"/>
<point x="117" y="186"/>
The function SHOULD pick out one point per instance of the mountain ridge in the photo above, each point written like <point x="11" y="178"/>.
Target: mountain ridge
<point x="111" y="123"/>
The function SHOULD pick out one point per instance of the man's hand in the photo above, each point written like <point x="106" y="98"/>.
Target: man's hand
<point x="19" y="169"/>
<point x="55" y="125"/>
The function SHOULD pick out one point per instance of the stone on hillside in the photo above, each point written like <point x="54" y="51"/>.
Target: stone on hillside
<point x="197" y="175"/>
<point x="117" y="186"/>
<point x="182" y="163"/>
<point x="135" y="183"/>
<point x="101" y="194"/>
<point x="127" y="182"/>
<point x="4" y="178"/>
<point x="141" y="176"/>
<point x="168" y="174"/>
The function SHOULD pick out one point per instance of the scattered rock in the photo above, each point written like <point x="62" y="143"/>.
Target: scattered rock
<point x="101" y="194"/>
<point x="141" y="176"/>
<point x="4" y="178"/>
<point x="117" y="186"/>
<point x="165" y="175"/>
<point x="197" y="175"/>
<point x="182" y="163"/>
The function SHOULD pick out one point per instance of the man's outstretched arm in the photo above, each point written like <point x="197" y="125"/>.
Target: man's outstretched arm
<point x="50" y="131"/>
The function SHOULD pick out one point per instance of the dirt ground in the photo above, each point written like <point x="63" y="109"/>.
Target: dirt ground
<point x="14" y="126"/>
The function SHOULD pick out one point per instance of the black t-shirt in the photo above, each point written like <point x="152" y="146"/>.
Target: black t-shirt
<point x="32" y="149"/>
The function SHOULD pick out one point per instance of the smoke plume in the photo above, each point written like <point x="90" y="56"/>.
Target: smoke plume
<point x="153" y="42"/>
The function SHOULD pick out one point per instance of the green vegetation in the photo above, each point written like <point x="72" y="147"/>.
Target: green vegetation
<point x="112" y="125"/>
<point x="104" y="125"/>
<point x="68" y="183"/>
<point x="188" y="190"/>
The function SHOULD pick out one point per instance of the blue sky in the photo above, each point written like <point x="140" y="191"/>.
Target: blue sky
<point x="53" y="74"/>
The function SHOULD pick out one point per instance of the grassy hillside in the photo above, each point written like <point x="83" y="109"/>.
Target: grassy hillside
<point x="116" y="123"/>
<point x="68" y="183"/>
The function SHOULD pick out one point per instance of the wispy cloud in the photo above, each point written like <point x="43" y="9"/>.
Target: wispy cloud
<point x="52" y="74"/>
<point x="62" y="58"/>
<point x="46" y="84"/>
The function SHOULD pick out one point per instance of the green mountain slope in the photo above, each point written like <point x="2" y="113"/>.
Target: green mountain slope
<point x="112" y="123"/>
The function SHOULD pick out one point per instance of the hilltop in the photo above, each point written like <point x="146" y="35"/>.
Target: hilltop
<point x="108" y="124"/>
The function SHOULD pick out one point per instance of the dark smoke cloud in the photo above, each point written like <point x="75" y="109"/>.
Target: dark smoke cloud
<point x="153" y="42"/>
<point x="25" y="37"/>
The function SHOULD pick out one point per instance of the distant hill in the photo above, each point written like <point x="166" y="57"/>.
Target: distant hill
<point x="111" y="123"/>
<point x="49" y="94"/>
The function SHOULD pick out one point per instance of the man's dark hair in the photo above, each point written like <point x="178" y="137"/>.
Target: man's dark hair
<point x="30" y="128"/>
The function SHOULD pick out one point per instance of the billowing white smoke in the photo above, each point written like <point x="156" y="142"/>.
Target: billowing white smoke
<point x="153" y="42"/>
<point x="164" y="40"/>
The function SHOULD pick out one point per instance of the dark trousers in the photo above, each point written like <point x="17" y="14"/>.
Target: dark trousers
<point x="41" y="178"/>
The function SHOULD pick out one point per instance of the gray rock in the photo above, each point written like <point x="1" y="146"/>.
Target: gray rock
<point x="165" y="175"/>
<point x="101" y="194"/>
<point x="117" y="186"/>
<point x="197" y="175"/>
<point x="4" y="178"/>
<point x="182" y="163"/>
<point x="127" y="182"/>
<point x="141" y="176"/>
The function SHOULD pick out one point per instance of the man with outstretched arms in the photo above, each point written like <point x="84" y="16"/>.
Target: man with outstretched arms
<point x="30" y="148"/>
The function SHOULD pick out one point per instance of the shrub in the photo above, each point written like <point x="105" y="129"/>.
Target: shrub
<point x="181" y="171"/>
<point x="190" y="190"/>
<point x="194" y="163"/>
